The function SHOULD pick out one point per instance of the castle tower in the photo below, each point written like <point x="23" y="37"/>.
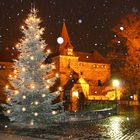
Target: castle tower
<point x="66" y="47"/>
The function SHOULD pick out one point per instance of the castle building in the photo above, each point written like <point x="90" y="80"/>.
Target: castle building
<point x="81" y="73"/>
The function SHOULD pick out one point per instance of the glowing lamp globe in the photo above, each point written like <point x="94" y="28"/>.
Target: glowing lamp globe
<point x="60" y="40"/>
<point x="116" y="83"/>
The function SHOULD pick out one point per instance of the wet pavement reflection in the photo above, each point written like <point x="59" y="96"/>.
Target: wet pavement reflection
<point x="125" y="126"/>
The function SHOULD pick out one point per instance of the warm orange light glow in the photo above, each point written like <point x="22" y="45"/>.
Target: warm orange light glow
<point x="53" y="66"/>
<point x="48" y="51"/>
<point x="15" y="76"/>
<point x="41" y="32"/>
<point x="42" y="66"/>
<point x="47" y="86"/>
<point x="8" y="111"/>
<point x="16" y="92"/>
<point x="17" y="45"/>
<point x="15" y="71"/>
<point x="7" y="86"/>
<point x="23" y="69"/>
<point x="33" y="86"/>
<point x="8" y="99"/>
<point x="38" y="19"/>
<point x="22" y="27"/>
<point x="32" y="58"/>
<point x="10" y="75"/>
<point x="57" y="75"/>
<point x="37" y="36"/>
<point x="60" y="88"/>
<point x="42" y="47"/>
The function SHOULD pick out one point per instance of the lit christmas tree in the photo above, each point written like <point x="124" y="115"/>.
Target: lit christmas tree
<point x="30" y="100"/>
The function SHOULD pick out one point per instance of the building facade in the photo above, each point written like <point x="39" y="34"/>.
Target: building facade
<point x="84" y="73"/>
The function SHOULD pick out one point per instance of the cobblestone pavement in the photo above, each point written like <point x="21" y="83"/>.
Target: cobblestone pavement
<point x="125" y="126"/>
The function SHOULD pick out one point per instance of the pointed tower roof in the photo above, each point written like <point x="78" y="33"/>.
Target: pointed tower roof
<point x="66" y="44"/>
<point x="64" y="34"/>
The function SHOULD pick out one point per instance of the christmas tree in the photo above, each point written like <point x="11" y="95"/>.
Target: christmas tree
<point x="30" y="100"/>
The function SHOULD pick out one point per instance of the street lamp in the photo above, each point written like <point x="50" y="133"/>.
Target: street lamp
<point x="116" y="84"/>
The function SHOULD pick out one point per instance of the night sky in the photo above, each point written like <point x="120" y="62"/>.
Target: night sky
<point x="89" y="22"/>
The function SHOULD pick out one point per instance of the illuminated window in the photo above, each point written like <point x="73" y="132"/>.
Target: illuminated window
<point x="70" y="51"/>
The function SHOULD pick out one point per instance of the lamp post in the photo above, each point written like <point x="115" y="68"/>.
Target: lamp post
<point x="116" y="84"/>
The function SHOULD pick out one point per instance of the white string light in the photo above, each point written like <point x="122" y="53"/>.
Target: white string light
<point x="23" y="109"/>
